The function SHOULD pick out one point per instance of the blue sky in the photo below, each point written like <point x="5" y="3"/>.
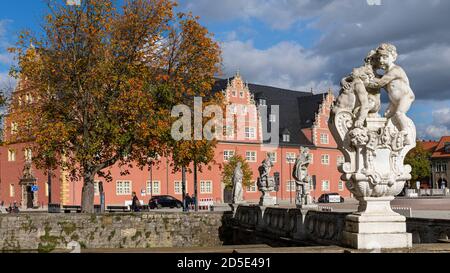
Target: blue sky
<point x="304" y="44"/>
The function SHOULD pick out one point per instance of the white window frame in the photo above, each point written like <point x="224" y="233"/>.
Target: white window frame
<point x="291" y="157"/>
<point x="272" y="118"/>
<point x="155" y="190"/>
<point x="97" y="188"/>
<point x="12" y="190"/>
<point x="228" y="154"/>
<point x="28" y="154"/>
<point x="251" y="156"/>
<point x="120" y="184"/>
<point x="12" y="155"/>
<point x="228" y="131"/>
<point x="286" y="138"/>
<point x="325" y="159"/>
<point x="325" y="182"/>
<point x="290" y="186"/>
<point x="14" y="128"/>
<point x="180" y="192"/>
<point x="204" y="188"/>
<point x="250" y="133"/>
<point x="324" y="138"/>
<point x="252" y="187"/>
<point x="341" y="186"/>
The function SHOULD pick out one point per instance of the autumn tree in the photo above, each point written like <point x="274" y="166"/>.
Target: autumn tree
<point x="228" y="171"/>
<point x="105" y="79"/>
<point x="419" y="159"/>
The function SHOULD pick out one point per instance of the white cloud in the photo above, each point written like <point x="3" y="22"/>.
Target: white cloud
<point x="349" y="29"/>
<point x="285" y="65"/>
<point x="436" y="132"/>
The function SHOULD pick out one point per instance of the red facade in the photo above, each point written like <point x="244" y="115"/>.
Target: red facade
<point x="326" y="158"/>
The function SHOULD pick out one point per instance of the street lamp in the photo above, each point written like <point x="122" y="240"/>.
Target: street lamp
<point x="290" y="180"/>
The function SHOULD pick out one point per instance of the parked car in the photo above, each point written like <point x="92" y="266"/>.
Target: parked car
<point x="164" y="201"/>
<point x="331" y="198"/>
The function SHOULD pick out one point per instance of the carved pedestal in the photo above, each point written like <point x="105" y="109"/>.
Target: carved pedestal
<point x="376" y="226"/>
<point x="375" y="173"/>
<point x="267" y="200"/>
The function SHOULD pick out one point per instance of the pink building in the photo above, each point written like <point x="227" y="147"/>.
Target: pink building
<point x="303" y="119"/>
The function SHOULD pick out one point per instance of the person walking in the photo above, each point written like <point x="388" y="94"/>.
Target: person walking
<point x="135" y="204"/>
<point x="187" y="202"/>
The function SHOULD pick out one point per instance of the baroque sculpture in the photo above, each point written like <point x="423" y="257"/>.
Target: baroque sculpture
<point x="266" y="183"/>
<point x="302" y="180"/>
<point x="238" y="192"/>
<point x="375" y="148"/>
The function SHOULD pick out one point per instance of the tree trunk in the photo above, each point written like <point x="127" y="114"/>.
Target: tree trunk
<point x="195" y="186"/>
<point x="87" y="196"/>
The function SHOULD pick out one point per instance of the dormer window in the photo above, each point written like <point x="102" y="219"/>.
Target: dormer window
<point x="447" y="148"/>
<point x="262" y="102"/>
<point x="286" y="135"/>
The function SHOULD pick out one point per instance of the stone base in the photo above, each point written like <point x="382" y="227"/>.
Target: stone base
<point x="377" y="241"/>
<point x="308" y="207"/>
<point x="267" y="201"/>
<point x="376" y="226"/>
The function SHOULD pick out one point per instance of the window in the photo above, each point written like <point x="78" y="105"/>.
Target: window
<point x="312" y="158"/>
<point x="250" y="156"/>
<point x="273" y="118"/>
<point x="262" y="102"/>
<point x="291" y="157"/>
<point x="28" y="154"/>
<point x="14" y="128"/>
<point x="440" y="167"/>
<point x="11" y="155"/>
<point x="325" y="185"/>
<point x="234" y="93"/>
<point x="290" y="186"/>
<point x="241" y="93"/>
<point x="286" y="138"/>
<point x="340" y="160"/>
<point x="228" y="131"/>
<point x="123" y="188"/>
<point x="324" y="139"/>
<point x="272" y="156"/>
<point x="96" y="188"/>
<point x="341" y="186"/>
<point x="227" y="155"/>
<point x="154" y="188"/>
<point x="11" y="190"/>
<point x="178" y="187"/>
<point x="250" y="133"/>
<point x="252" y="187"/>
<point x="205" y="186"/>
<point x="325" y="160"/>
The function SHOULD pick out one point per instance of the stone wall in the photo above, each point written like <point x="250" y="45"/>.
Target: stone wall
<point x="288" y="227"/>
<point x="47" y="232"/>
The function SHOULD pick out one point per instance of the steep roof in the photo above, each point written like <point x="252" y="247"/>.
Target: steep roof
<point x="429" y="146"/>
<point x="440" y="151"/>
<point x="297" y="109"/>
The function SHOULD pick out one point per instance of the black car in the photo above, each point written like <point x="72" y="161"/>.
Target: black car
<point x="164" y="201"/>
<point x="331" y="198"/>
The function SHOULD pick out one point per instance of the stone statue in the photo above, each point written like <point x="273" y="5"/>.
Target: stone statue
<point x="266" y="183"/>
<point x="375" y="148"/>
<point x="238" y="192"/>
<point x="302" y="179"/>
<point x="357" y="96"/>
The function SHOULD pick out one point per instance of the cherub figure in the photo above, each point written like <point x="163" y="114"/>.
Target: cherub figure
<point x="357" y="95"/>
<point x="396" y="83"/>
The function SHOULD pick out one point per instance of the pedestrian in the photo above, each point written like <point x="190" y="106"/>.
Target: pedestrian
<point x="187" y="202"/>
<point x="135" y="204"/>
<point x="193" y="201"/>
